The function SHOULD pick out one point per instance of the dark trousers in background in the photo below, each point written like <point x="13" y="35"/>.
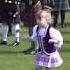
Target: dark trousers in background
<point x="56" y="14"/>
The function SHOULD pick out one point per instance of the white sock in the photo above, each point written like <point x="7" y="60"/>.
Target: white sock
<point x="16" y="32"/>
<point x="17" y="36"/>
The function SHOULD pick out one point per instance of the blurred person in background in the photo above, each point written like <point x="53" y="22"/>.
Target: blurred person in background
<point x="60" y="7"/>
<point x="10" y="16"/>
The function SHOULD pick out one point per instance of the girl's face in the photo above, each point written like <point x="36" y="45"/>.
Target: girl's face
<point x="44" y="18"/>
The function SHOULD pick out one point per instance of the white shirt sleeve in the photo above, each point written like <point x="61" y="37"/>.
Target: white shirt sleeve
<point x="34" y="34"/>
<point x="56" y="37"/>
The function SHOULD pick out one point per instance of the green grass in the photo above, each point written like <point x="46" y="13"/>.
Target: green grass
<point x="12" y="58"/>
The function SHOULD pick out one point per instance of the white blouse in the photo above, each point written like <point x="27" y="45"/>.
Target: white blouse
<point x="55" y="35"/>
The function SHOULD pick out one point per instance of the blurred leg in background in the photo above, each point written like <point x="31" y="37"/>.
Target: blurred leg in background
<point x="5" y="29"/>
<point x="56" y="14"/>
<point x="63" y="24"/>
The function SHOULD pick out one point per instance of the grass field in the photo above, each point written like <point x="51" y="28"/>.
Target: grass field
<point x="12" y="58"/>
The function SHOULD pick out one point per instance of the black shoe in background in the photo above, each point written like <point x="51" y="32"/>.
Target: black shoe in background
<point x="3" y="43"/>
<point x="15" y="44"/>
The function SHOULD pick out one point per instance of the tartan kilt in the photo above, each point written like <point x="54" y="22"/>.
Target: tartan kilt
<point x="60" y="5"/>
<point x="48" y="60"/>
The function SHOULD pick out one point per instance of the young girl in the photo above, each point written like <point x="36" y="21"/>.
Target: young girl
<point x="49" y="41"/>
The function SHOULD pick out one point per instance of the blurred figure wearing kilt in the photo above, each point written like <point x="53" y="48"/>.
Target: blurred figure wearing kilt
<point x="9" y="14"/>
<point x="60" y="6"/>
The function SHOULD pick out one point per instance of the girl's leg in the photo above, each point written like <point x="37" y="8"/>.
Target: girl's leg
<point x="51" y="68"/>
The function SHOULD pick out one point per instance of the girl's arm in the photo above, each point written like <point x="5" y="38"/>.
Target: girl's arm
<point x="33" y="37"/>
<point x="56" y="37"/>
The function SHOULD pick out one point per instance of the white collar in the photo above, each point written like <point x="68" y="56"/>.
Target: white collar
<point x="46" y="27"/>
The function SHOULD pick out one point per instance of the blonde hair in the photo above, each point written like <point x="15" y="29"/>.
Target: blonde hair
<point x="45" y="14"/>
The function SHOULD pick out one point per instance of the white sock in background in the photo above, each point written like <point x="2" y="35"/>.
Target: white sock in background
<point x="16" y="32"/>
<point x="5" y="29"/>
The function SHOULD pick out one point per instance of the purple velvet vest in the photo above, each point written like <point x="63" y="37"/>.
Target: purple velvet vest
<point x="48" y="47"/>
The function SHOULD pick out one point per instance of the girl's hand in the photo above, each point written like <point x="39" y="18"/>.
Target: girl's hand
<point x="53" y="41"/>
